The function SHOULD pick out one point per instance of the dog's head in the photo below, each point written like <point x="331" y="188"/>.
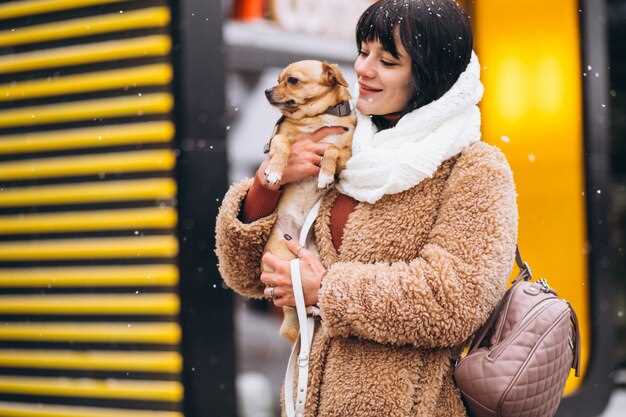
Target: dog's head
<point x="308" y="88"/>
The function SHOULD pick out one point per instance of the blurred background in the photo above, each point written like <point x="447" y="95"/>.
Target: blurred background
<point x="123" y="122"/>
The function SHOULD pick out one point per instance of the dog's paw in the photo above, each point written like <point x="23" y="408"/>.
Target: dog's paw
<point x="272" y="177"/>
<point x="324" y="180"/>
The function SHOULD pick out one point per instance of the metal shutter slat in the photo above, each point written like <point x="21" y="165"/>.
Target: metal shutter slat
<point x="92" y="304"/>
<point x="148" y="218"/>
<point x="86" y="110"/>
<point x="148" y="46"/>
<point x="92" y="388"/>
<point x="89" y="192"/>
<point x="34" y="7"/>
<point x="111" y="135"/>
<point x="102" y="360"/>
<point x="91" y="248"/>
<point x="157" y="74"/>
<point x="8" y="409"/>
<point x="99" y="164"/>
<point x="152" y="17"/>
<point x="92" y="276"/>
<point x="161" y="333"/>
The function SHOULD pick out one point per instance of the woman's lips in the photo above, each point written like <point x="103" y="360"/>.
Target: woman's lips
<point x="367" y="90"/>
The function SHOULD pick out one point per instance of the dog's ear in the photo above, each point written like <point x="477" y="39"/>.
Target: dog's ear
<point x="331" y="75"/>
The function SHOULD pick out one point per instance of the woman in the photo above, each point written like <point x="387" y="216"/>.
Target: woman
<point x="418" y="237"/>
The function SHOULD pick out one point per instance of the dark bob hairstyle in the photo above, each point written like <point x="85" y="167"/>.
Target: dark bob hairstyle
<point x="436" y="33"/>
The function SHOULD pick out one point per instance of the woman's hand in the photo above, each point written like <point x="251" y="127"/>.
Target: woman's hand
<point x="305" y="157"/>
<point x="311" y="273"/>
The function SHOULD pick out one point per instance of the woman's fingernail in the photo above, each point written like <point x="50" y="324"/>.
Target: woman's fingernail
<point x="287" y="237"/>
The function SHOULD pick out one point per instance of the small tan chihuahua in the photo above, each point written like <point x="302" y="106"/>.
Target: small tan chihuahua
<point x="310" y="95"/>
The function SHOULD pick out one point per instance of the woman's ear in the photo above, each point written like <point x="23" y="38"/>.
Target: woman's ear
<point x="331" y="75"/>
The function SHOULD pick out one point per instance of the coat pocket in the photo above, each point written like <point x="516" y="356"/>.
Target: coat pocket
<point x="367" y="379"/>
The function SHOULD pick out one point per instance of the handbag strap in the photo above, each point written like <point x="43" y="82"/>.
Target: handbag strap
<point x="489" y="324"/>
<point x="525" y="274"/>
<point x="575" y="342"/>
<point x="524" y="269"/>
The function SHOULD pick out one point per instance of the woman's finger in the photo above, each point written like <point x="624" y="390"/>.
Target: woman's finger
<point x="309" y="169"/>
<point x="274" y="262"/>
<point x="305" y="152"/>
<point x="280" y="292"/>
<point x="284" y="301"/>
<point x="294" y="247"/>
<point x="300" y="252"/>
<point x="314" y="158"/>
<point x="274" y="293"/>
<point x="274" y="280"/>
<point x="320" y="148"/>
<point x="306" y="256"/>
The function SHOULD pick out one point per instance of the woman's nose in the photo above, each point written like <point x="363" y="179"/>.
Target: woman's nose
<point x="364" y="68"/>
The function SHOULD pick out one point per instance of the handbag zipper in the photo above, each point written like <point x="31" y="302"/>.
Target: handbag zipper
<point x="543" y="287"/>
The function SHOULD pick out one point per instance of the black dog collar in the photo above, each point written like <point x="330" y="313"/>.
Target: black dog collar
<point x="340" y="110"/>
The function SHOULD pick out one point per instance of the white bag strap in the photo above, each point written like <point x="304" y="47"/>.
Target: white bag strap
<point x="307" y="327"/>
<point x="308" y="222"/>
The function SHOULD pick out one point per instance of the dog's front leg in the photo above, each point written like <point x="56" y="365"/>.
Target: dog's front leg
<point x="342" y="159"/>
<point x="328" y="167"/>
<point x="279" y="155"/>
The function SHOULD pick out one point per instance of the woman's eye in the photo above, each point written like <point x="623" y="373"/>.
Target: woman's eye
<point x="292" y="80"/>
<point x="388" y="64"/>
<point x="362" y="53"/>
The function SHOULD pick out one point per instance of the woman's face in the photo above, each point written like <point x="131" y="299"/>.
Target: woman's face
<point x="384" y="81"/>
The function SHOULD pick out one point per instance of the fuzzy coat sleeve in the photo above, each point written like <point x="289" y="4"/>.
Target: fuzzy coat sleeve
<point x="239" y="246"/>
<point x="443" y="296"/>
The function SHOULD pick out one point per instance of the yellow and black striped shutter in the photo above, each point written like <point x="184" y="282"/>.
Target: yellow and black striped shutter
<point x="89" y="299"/>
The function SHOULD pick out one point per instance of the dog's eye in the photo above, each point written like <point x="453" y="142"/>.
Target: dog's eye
<point x="292" y="80"/>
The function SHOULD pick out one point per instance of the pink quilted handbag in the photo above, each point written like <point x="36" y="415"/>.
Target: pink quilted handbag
<point x="519" y="360"/>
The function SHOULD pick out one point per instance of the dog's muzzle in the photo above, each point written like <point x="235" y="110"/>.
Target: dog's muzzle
<point x="288" y="104"/>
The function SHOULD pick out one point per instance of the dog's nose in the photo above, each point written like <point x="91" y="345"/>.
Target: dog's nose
<point x="268" y="93"/>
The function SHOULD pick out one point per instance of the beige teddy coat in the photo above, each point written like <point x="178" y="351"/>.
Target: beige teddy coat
<point x="417" y="273"/>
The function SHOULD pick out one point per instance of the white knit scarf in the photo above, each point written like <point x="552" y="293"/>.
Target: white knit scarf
<point x="396" y="159"/>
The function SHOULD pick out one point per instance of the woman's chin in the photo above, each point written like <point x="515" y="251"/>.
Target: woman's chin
<point x="365" y="107"/>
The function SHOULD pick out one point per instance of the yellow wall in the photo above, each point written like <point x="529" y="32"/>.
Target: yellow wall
<point x="532" y="110"/>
